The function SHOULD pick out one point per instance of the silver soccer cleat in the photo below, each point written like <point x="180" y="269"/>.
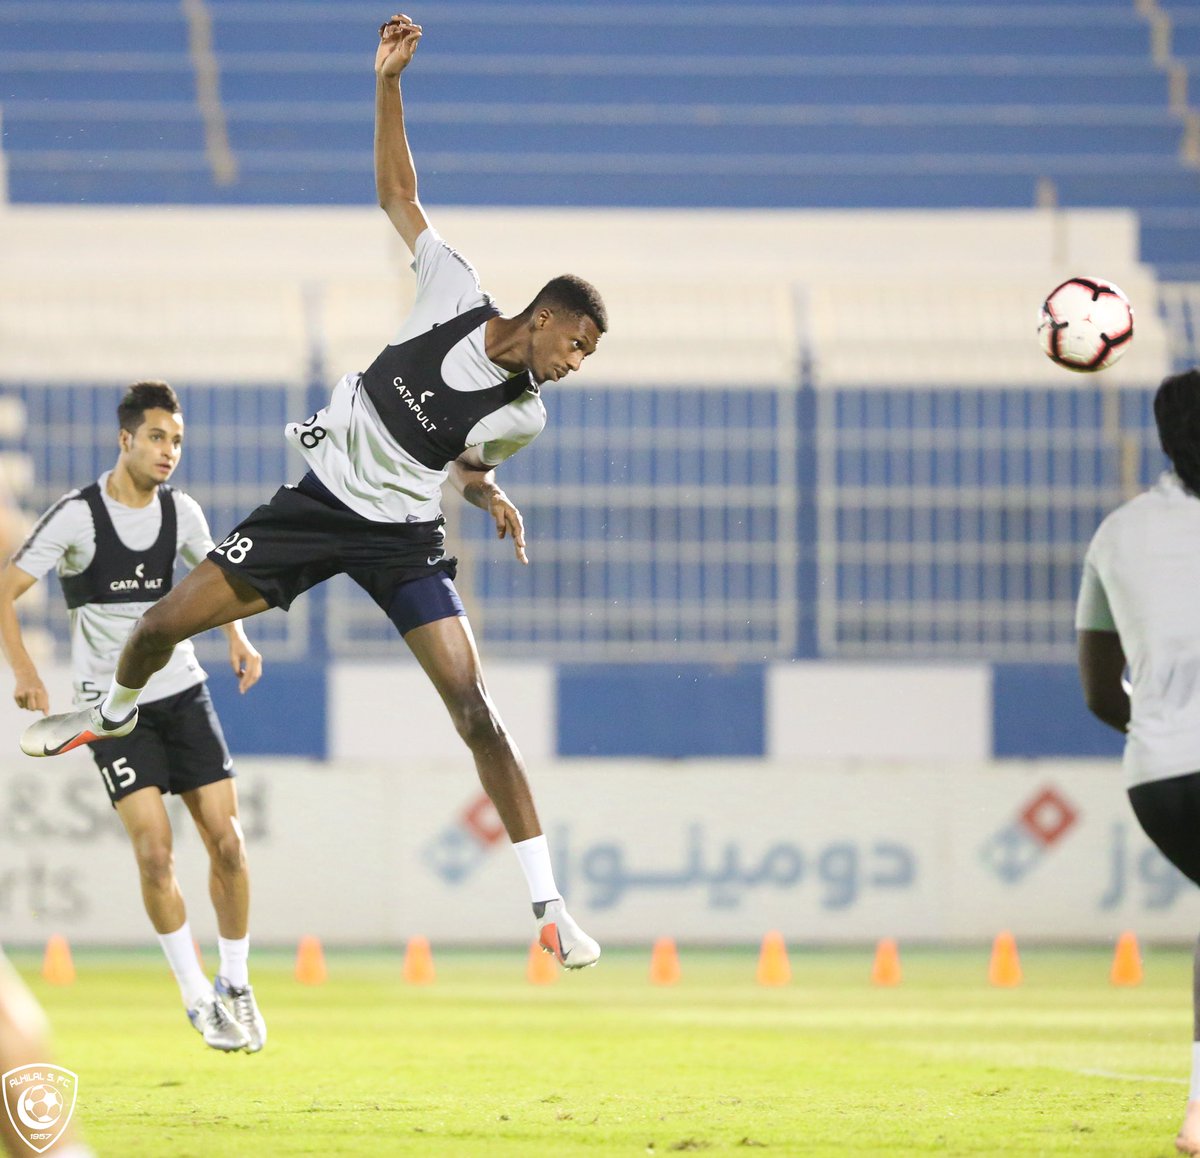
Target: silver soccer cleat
<point x="240" y="1005"/>
<point x="558" y="934"/>
<point x="54" y="735"/>
<point x="215" y="1023"/>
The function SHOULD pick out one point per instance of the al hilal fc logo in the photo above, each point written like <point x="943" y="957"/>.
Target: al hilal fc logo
<point x="40" y="1099"/>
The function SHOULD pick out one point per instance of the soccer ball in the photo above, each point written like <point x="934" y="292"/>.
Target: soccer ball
<point x="1086" y="324"/>
<point x="42" y="1105"/>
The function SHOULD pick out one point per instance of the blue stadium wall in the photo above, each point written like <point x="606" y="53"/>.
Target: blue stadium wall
<point x="669" y="711"/>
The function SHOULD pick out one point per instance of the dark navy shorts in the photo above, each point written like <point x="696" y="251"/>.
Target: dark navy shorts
<point x="177" y="745"/>
<point x="1169" y="813"/>
<point x="305" y="535"/>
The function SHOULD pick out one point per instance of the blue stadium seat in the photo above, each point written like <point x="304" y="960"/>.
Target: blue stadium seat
<point x="889" y="103"/>
<point x="345" y="178"/>
<point x="77" y="76"/>
<point x="682" y="30"/>
<point x="664" y="131"/>
<point x="37" y="126"/>
<point x="129" y="28"/>
<point x="791" y="79"/>
<point x="1170" y="240"/>
<point x="1185" y="38"/>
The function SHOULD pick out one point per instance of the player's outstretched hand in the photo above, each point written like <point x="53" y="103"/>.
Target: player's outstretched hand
<point x="246" y="662"/>
<point x="397" y="42"/>
<point x="509" y="524"/>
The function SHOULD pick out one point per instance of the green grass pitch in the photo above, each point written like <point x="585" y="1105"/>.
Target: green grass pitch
<point x="602" y="1062"/>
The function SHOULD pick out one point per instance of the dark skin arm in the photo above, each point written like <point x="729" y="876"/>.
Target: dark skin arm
<point x="477" y="484"/>
<point x="395" y="175"/>
<point x="1101" y="667"/>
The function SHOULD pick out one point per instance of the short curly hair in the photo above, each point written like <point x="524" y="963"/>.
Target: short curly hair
<point x="575" y="296"/>
<point x="143" y="396"/>
<point x="1177" y="413"/>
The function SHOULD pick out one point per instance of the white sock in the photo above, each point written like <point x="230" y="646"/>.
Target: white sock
<point x="180" y="950"/>
<point x="235" y="958"/>
<point x="119" y="702"/>
<point x="1194" y="1094"/>
<point x="534" y="855"/>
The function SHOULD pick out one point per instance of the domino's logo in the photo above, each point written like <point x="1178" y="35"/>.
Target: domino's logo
<point x="462" y="846"/>
<point x="1020" y="846"/>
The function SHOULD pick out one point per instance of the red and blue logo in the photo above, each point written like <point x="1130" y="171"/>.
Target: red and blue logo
<point x="1020" y="846"/>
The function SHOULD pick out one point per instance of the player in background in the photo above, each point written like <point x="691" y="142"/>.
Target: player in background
<point x="453" y="395"/>
<point x="1139" y="606"/>
<point x="114" y="544"/>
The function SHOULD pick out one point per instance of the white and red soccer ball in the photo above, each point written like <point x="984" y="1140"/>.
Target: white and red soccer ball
<point x="1086" y="324"/>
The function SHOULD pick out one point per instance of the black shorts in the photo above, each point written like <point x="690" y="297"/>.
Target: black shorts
<point x="1169" y="813"/>
<point x="304" y="536"/>
<point x="177" y="745"/>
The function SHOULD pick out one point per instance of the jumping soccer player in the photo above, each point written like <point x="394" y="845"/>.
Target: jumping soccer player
<point x="1139" y="607"/>
<point x="114" y="544"/>
<point x="455" y="394"/>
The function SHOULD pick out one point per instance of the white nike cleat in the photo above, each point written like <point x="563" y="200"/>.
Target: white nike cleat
<point x="216" y="1024"/>
<point x="558" y="934"/>
<point x="241" y="1006"/>
<point x="54" y="735"/>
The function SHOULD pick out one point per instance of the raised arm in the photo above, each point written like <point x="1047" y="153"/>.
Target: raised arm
<point x="395" y="174"/>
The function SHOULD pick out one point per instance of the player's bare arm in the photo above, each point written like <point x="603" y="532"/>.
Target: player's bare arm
<point x="28" y="690"/>
<point x="1101" y="668"/>
<point x="395" y="174"/>
<point x="478" y="486"/>
<point x="244" y="657"/>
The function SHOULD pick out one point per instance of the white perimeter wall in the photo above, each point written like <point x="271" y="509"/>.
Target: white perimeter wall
<point x="702" y="851"/>
<point x="893" y="823"/>
<point x="714" y="297"/>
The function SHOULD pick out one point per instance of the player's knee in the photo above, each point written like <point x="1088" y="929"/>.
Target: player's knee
<point x="229" y="851"/>
<point x="154" y="632"/>
<point x="476" y="721"/>
<point x="156" y="862"/>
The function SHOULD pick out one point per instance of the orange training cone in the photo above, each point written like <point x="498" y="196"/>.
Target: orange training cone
<point x="886" y="969"/>
<point x="1127" y="961"/>
<point x="773" y="965"/>
<point x="664" y="962"/>
<point x="542" y="968"/>
<point x="310" y="962"/>
<point x="199" y="955"/>
<point x="57" y="966"/>
<point x="418" y="962"/>
<point x="1005" y="966"/>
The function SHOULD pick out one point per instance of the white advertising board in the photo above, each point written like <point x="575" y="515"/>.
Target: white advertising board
<point x="702" y="851"/>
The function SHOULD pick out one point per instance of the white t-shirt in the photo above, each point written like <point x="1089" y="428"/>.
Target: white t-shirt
<point x="1141" y="579"/>
<point x="65" y="539"/>
<point x="360" y="462"/>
